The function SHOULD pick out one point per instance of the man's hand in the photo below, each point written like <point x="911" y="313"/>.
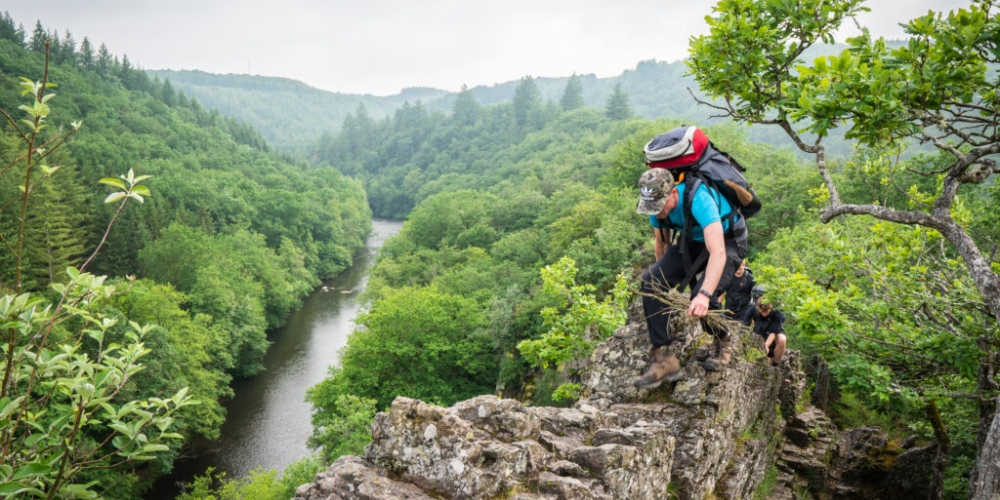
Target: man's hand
<point x="699" y="306"/>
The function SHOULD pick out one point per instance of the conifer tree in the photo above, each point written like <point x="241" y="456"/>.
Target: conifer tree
<point x="527" y="100"/>
<point x="86" y="54"/>
<point x="167" y="94"/>
<point x="67" y="51"/>
<point x="104" y="61"/>
<point x="8" y="29"/>
<point x="617" y="107"/>
<point x="466" y="110"/>
<point x="54" y="239"/>
<point x="572" y="97"/>
<point x="38" y="38"/>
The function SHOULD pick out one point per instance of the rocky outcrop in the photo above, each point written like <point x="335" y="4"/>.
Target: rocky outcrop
<point x="720" y="435"/>
<point x="856" y="464"/>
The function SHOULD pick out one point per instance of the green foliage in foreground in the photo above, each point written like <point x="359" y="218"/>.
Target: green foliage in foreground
<point x="939" y="87"/>
<point x="62" y="407"/>
<point x="577" y="324"/>
<point x="256" y="485"/>
<point x="69" y="419"/>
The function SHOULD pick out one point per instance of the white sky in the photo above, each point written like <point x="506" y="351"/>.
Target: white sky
<point x="381" y="46"/>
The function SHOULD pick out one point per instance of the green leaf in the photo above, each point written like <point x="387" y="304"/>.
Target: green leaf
<point x="113" y="197"/>
<point x="11" y="488"/>
<point x="111" y="181"/>
<point x="7" y="406"/>
<point x="31" y="470"/>
<point x="120" y="441"/>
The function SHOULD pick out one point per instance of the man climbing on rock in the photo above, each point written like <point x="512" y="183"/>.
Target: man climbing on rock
<point x="769" y="322"/>
<point x="712" y="248"/>
<point x="738" y="301"/>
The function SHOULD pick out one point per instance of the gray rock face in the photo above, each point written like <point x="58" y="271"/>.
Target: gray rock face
<point x="708" y="435"/>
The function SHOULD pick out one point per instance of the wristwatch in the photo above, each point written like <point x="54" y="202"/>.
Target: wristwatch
<point x="705" y="293"/>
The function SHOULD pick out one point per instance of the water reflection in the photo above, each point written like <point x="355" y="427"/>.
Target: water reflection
<point x="268" y="419"/>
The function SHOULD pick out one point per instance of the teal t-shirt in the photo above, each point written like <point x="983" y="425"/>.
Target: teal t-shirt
<point x="708" y="206"/>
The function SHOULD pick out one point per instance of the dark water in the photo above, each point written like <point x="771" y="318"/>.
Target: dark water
<point x="268" y="419"/>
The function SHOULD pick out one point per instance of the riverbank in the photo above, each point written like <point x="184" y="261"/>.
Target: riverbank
<point x="268" y="419"/>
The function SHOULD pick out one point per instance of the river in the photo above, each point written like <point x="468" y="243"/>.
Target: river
<point x="267" y="422"/>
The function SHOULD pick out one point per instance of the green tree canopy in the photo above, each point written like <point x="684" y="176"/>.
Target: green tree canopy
<point x="935" y="88"/>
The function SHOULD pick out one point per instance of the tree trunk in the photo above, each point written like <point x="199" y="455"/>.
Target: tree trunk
<point x="821" y="393"/>
<point x="943" y="451"/>
<point x="985" y="480"/>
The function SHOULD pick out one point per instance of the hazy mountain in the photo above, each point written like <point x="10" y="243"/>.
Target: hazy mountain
<point x="292" y="115"/>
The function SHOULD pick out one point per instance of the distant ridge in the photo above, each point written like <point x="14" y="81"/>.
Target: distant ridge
<point x="291" y="115"/>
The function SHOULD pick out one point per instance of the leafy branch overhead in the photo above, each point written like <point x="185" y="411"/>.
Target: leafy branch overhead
<point x="935" y="89"/>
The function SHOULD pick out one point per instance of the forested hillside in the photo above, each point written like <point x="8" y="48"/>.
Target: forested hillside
<point x="655" y="89"/>
<point x="228" y="238"/>
<point x="274" y="105"/>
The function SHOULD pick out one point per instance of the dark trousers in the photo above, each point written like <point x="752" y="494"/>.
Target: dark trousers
<point x="668" y="272"/>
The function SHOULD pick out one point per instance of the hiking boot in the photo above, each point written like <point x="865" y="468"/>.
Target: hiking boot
<point x="662" y="366"/>
<point x="722" y="351"/>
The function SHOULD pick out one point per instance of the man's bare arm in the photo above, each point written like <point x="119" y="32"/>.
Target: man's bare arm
<point x="715" y="244"/>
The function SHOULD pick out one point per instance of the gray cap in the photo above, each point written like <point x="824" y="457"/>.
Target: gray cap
<point x="654" y="186"/>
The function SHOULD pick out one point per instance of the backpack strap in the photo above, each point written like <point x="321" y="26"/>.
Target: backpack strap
<point x="692" y="182"/>
<point x="665" y="230"/>
<point x="734" y="208"/>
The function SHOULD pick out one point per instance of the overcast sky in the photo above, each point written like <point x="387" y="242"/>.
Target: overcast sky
<point x="381" y="46"/>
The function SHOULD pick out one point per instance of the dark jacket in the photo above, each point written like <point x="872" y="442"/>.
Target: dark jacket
<point x="738" y="294"/>
<point x="773" y="323"/>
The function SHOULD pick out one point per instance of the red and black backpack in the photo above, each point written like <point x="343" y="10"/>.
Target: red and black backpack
<point x="687" y="152"/>
<point x="694" y="160"/>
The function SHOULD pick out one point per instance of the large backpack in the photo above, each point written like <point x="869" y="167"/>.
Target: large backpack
<point x="687" y="151"/>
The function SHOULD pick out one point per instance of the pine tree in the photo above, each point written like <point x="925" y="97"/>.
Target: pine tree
<point x="57" y="228"/>
<point x="8" y="30"/>
<point x="38" y="38"/>
<point x="167" y="94"/>
<point x="527" y="100"/>
<point x="617" y="107"/>
<point x="55" y="46"/>
<point x="127" y="75"/>
<point x="466" y="110"/>
<point x="572" y="97"/>
<point x="104" y="61"/>
<point x="67" y="52"/>
<point x="86" y="54"/>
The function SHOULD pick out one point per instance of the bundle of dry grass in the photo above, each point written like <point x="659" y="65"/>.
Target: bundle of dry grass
<point x="678" y="304"/>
